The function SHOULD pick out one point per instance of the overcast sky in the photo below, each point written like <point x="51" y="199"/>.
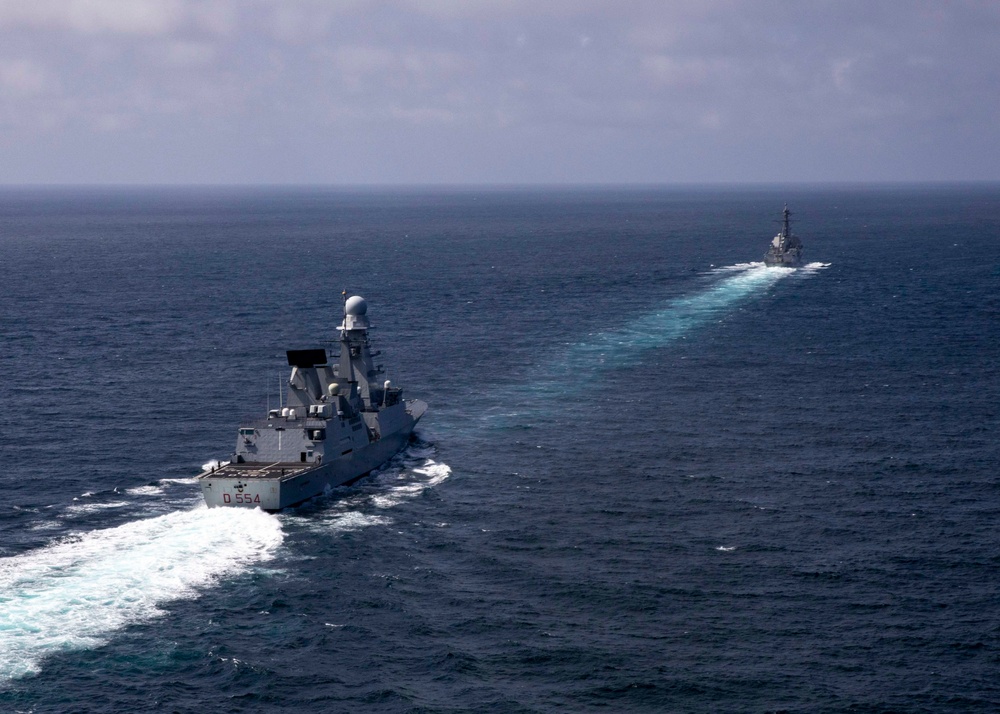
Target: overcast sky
<point x="498" y="91"/>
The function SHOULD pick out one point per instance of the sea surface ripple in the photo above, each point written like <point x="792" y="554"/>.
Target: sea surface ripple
<point x="655" y="475"/>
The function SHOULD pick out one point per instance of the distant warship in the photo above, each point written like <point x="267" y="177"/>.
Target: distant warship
<point x="337" y="424"/>
<point x="785" y="248"/>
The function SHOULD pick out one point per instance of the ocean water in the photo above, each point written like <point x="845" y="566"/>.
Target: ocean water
<point x="655" y="476"/>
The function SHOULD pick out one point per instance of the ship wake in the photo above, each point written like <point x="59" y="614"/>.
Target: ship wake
<point x="75" y="593"/>
<point x="581" y="363"/>
<point x="673" y="320"/>
<point x="406" y="477"/>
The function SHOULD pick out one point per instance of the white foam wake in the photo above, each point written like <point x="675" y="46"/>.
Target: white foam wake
<point x="811" y="268"/>
<point x="402" y="480"/>
<point x="625" y="345"/>
<point x="74" y="594"/>
<point x="737" y="268"/>
<point x="404" y="486"/>
<point x="655" y="329"/>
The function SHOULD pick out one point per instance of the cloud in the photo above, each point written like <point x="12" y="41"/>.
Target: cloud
<point x="555" y="81"/>
<point x="840" y="72"/>
<point x="183" y="53"/>
<point x="298" y="22"/>
<point x="357" y="63"/>
<point x="24" y="77"/>
<point x="141" y="17"/>
<point x="685" y="72"/>
<point x="376" y="68"/>
<point x="122" y="17"/>
<point x="491" y="9"/>
<point x="424" y="115"/>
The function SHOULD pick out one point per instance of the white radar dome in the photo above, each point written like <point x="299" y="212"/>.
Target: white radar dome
<point x="355" y="306"/>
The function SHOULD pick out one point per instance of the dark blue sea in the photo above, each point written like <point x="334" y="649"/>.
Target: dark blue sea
<point x="655" y="475"/>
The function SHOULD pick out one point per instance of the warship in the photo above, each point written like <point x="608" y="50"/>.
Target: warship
<point x="785" y="249"/>
<point x="337" y="423"/>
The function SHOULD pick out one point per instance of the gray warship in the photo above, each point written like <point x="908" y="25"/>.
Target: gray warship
<point x="786" y="248"/>
<point x="337" y="424"/>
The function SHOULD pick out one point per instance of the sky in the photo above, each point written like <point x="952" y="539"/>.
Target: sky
<point x="486" y="92"/>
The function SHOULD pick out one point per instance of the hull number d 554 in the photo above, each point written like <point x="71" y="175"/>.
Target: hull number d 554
<point x="247" y="498"/>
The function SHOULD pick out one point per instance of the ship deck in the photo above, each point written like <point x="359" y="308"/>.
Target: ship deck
<point x="246" y="470"/>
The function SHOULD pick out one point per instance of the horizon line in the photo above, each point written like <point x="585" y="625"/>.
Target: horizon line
<point x="508" y="186"/>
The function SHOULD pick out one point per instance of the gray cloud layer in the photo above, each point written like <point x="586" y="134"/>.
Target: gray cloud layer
<point x="497" y="91"/>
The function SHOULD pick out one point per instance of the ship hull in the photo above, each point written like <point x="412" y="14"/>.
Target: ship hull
<point x="782" y="262"/>
<point x="275" y="486"/>
<point x="783" y="259"/>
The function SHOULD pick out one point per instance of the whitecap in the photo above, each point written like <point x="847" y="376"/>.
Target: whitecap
<point x="145" y="491"/>
<point x="84" y="508"/>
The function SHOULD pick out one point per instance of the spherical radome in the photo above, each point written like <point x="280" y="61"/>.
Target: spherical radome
<point x="355" y="306"/>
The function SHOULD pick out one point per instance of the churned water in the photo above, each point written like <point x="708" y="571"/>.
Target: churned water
<point x="655" y="475"/>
